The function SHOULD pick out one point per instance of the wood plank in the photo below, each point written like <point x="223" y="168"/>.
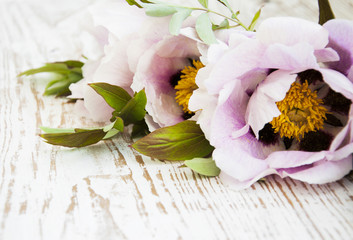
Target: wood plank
<point x="108" y="191"/>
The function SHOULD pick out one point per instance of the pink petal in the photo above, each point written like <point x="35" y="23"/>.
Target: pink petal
<point x="177" y="47"/>
<point x="350" y="74"/>
<point x="326" y="55"/>
<point x="291" y="31"/>
<point x="98" y="109"/>
<point x="291" y="159"/>
<point x="234" y="64"/>
<point x="242" y="160"/>
<point x="344" y="136"/>
<point x="203" y="103"/>
<point x="164" y="110"/>
<point x="323" y="171"/>
<point x="80" y="109"/>
<point x="240" y="185"/>
<point x="298" y="57"/>
<point x="262" y="106"/>
<point x="338" y="82"/>
<point x="108" y="14"/>
<point x="113" y="68"/>
<point x="229" y="114"/>
<point x="341" y="35"/>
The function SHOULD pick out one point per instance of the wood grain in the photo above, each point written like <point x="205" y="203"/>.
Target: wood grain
<point x="108" y="191"/>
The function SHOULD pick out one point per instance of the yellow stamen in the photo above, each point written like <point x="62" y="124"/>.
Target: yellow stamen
<point x="186" y="85"/>
<point x="301" y="112"/>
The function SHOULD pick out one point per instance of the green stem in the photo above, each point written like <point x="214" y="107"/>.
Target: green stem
<point x="235" y="19"/>
<point x="325" y="10"/>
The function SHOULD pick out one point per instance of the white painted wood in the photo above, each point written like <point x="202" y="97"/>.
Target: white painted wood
<point x="108" y="191"/>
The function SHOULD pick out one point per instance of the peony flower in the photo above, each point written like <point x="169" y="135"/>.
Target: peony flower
<point x="150" y="59"/>
<point x="273" y="108"/>
<point x="113" y="66"/>
<point x="167" y="72"/>
<point x="340" y="33"/>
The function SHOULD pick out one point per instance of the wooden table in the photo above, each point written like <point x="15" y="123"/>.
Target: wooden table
<point x="108" y="191"/>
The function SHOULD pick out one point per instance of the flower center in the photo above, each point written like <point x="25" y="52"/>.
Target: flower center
<point x="301" y="112"/>
<point x="186" y="85"/>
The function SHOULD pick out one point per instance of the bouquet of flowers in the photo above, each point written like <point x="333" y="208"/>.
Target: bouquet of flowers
<point x="191" y="82"/>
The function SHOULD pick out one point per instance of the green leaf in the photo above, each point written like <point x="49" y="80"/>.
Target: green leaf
<point x="204" y="3"/>
<point x="74" y="77"/>
<point x="204" y="29"/>
<point x="118" y="124"/>
<point x="158" y="9"/>
<point x="59" y="68"/>
<point x="57" y="130"/>
<point x="235" y="15"/>
<point x="223" y="25"/>
<point x="80" y="138"/>
<point x="115" y="96"/>
<point x="325" y="11"/>
<point x="64" y="74"/>
<point x="182" y="141"/>
<point x="132" y="2"/>
<point x="203" y="166"/>
<point x="58" y="87"/>
<point x="139" y="129"/>
<point x="254" y="20"/>
<point x="73" y="64"/>
<point x="114" y="128"/>
<point x="226" y="3"/>
<point x="111" y="133"/>
<point x="177" y="20"/>
<point x="134" y="110"/>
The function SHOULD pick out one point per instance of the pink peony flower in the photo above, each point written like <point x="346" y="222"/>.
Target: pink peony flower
<point x="270" y="107"/>
<point x="113" y="66"/>
<point x="159" y="72"/>
<point x="150" y="59"/>
<point x="340" y="33"/>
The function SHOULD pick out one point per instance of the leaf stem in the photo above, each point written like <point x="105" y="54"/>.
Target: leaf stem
<point x="233" y="19"/>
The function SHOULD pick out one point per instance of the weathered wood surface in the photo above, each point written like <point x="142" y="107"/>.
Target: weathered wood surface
<point x="108" y="191"/>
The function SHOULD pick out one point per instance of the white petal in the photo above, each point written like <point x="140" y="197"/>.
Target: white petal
<point x="290" y="31"/>
<point x="298" y="57"/>
<point x="338" y="82"/>
<point x="323" y="171"/>
<point x="262" y="106"/>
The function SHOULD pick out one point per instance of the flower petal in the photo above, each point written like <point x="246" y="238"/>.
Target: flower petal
<point x="344" y="136"/>
<point x="298" y="57"/>
<point x="177" y="47"/>
<point x="228" y="117"/>
<point x="341" y="35"/>
<point x="338" y="82"/>
<point x="290" y="31"/>
<point x="262" y="106"/>
<point x="322" y="172"/>
<point x="108" y="14"/>
<point x="164" y="110"/>
<point x="242" y="159"/>
<point x="234" y="64"/>
<point x="96" y="105"/>
<point x="113" y="68"/>
<point x="326" y="55"/>
<point x="240" y="185"/>
<point x="291" y="159"/>
<point x="202" y="103"/>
